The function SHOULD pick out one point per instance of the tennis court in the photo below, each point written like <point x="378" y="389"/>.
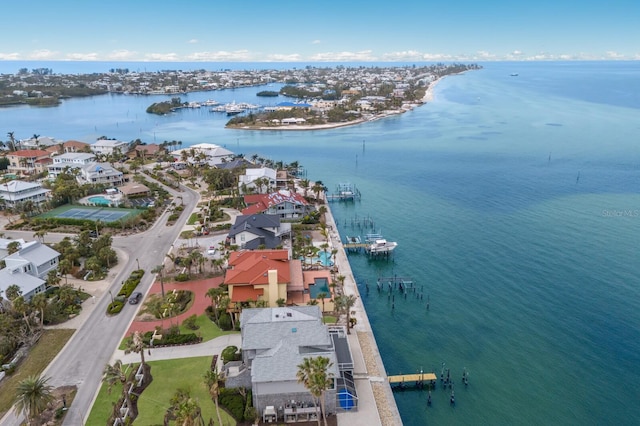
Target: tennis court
<point x="90" y="213"/>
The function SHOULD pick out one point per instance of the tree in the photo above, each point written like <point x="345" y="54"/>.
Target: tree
<point x="39" y="234"/>
<point x="13" y="247"/>
<point x="39" y="302"/>
<point x="117" y="374"/>
<point x="321" y="296"/>
<point x="13" y="292"/>
<point x="211" y="379"/>
<point x="314" y="374"/>
<point x="65" y="267"/>
<point x="159" y="270"/>
<point x="344" y="304"/>
<point x="215" y="294"/>
<point x="185" y="410"/>
<point x="136" y="344"/>
<point x="33" y="394"/>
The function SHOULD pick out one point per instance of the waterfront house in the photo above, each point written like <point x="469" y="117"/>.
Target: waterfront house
<point x="256" y="230"/>
<point x="28" y="268"/>
<point x="210" y="153"/>
<point x="247" y="181"/>
<point x="260" y="275"/>
<point x="17" y="192"/>
<point x="284" y="203"/>
<point x="274" y="342"/>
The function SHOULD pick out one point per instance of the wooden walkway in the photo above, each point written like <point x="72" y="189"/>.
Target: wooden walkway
<point x="419" y="377"/>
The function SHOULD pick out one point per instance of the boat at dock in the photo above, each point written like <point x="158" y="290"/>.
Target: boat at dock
<point x="382" y="246"/>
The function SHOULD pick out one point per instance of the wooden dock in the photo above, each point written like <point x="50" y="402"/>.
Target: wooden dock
<point x="418" y="377"/>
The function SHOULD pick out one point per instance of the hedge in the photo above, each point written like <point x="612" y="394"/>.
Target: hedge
<point x="115" y="307"/>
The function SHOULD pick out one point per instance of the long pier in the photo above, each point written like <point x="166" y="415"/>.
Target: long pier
<point x="419" y="380"/>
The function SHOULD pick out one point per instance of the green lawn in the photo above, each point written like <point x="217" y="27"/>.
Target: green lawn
<point x="208" y="330"/>
<point x="168" y="376"/>
<point x="329" y="319"/>
<point x="51" y="342"/>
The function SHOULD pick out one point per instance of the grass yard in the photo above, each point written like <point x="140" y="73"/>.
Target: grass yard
<point x="43" y="352"/>
<point x="168" y="376"/>
<point x="208" y="330"/>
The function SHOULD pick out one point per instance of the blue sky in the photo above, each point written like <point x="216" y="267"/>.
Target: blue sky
<point x="311" y="31"/>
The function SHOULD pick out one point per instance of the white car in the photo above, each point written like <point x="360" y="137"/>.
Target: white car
<point x="211" y="251"/>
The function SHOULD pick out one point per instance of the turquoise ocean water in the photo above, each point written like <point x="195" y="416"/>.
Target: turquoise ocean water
<point x="515" y="202"/>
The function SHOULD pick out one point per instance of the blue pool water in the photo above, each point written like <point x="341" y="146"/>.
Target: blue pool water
<point x="321" y="286"/>
<point x="99" y="199"/>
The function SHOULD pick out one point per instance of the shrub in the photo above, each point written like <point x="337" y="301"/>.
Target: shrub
<point x="115" y="307"/>
<point x="190" y="322"/>
<point x="182" y="277"/>
<point x="224" y="322"/>
<point x="233" y="402"/>
<point x="229" y="354"/>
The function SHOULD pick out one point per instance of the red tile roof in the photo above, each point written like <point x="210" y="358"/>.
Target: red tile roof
<point x="260" y="202"/>
<point x="251" y="267"/>
<point x="30" y="153"/>
<point x="244" y="293"/>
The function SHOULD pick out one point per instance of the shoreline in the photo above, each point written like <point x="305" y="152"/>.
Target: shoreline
<point x="428" y="97"/>
<point x="363" y="342"/>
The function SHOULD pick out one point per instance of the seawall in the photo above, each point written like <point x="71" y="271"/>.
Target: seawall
<point x="376" y="404"/>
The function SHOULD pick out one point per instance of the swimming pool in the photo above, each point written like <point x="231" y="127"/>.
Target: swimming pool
<point x="324" y="258"/>
<point x="99" y="199"/>
<point x="321" y="285"/>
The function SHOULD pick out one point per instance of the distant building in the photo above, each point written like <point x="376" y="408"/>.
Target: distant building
<point x="108" y="147"/>
<point x="69" y="160"/>
<point x="209" y="153"/>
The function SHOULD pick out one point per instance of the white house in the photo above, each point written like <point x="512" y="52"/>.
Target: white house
<point x="72" y="160"/>
<point x="107" y="146"/>
<point x="17" y="192"/>
<point x="248" y="180"/>
<point x="28" y="268"/>
<point x="100" y="173"/>
<point x="213" y="154"/>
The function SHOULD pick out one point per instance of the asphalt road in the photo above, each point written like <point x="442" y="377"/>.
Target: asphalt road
<point x="82" y="360"/>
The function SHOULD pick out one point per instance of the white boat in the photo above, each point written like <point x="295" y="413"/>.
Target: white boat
<point x="382" y="246"/>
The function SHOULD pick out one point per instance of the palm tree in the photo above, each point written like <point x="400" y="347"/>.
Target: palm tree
<point x="39" y="234"/>
<point x="186" y="410"/>
<point x="65" y="267"/>
<point x="215" y="294"/>
<point x="211" y="379"/>
<point x="344" y="304"/>
<point x="33" y="395"/>
<point x="321" y="296"/>
<point x="136" y="344"/>
<point x="117" y="374"/>
<point x="39" y="302"/>
<point x="12" y="139"/>
<point x="159" y="270"/>
<point x="314" y="374"/>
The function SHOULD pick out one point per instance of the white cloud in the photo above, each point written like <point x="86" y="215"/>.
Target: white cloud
<point x="614" y="55"/>
<point x="122" y="55"/>
<point x="220" y="56"/>
<point x="364" y="56"/>
<point x="42" y="54"/>
<point x="164" y="57"/>
<point x="82" y="56"/>
<point x="316" y="42"/>
<point x="193" y="41"/>
<point x="9" y="56"/>
<point x="403" y="55"/>
<point x="295" y="57"/>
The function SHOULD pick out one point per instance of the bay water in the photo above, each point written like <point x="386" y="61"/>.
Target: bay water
<point x="516" y="207"/>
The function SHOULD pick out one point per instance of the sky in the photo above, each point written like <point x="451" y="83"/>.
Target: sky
<point x="319" y="31"/>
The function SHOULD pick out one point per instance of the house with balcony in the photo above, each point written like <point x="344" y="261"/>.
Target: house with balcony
<point x="28" y="162"/>
<point x="69" y="160"/>
<point x="258" y="230"/>
<point x="209" y="153"/>
<point x="100" y="173"/>
<point x="283" y="203"/>
<point x="28" y="268"/>
<point x="17" y="192"/>
<point x="274" y="342"/>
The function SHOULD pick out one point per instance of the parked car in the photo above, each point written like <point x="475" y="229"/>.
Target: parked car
<point x="211" y="250"/>
<point x="135" y="298"/>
